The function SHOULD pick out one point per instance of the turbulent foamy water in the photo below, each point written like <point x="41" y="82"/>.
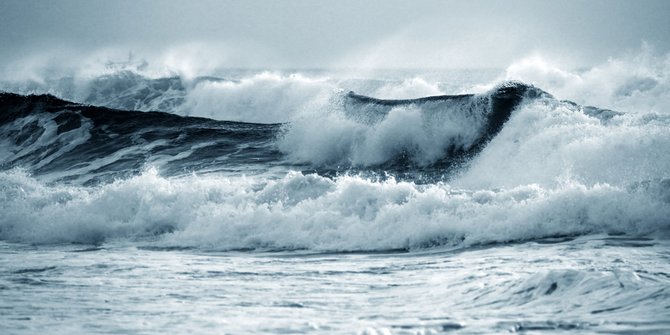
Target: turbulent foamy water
<point x="479" y="201"/>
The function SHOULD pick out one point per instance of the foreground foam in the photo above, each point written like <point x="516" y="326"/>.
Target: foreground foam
<point x="308" y="211"/>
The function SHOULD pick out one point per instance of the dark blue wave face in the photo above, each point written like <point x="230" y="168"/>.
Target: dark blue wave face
<point x="496" y="109"/>
<point x="49" y="136"/>
<point x="66" y="141"/>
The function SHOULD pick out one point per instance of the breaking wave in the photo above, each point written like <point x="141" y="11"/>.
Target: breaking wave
<point x="273" y="160"/>
<point x="312" y="212"/>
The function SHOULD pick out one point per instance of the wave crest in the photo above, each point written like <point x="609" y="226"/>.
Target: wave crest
<point x="365" y="131"/>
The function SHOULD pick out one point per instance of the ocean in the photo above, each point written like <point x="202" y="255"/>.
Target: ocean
<point x="529" y="199"/>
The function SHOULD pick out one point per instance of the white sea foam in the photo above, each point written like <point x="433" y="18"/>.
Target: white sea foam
<point x="273" y="97"/>
<point x="546" y="142"/>
<point x="635" y="83"/>
<point x="263" y="98"/>
<point x="338" y="133"/>
<point x="308" y="211"/>
<point x="415" y="87"/>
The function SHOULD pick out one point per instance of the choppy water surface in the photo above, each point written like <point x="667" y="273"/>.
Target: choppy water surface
<point x="600" y="284"/>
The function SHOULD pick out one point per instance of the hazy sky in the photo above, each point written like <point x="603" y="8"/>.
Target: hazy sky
<point x="313" y="33"/>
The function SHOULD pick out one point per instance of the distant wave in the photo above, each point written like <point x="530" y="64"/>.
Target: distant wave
<point x="259" y="97"/>
<point x="125" y="89"/>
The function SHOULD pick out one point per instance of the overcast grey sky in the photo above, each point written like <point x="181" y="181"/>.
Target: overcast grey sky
<point x="311" y="33"/>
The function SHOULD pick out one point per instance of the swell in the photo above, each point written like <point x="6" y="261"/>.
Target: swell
<point x="69" y="141"/>
<point x="65" y="140"/>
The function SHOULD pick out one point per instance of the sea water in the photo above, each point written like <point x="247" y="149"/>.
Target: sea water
<point x="266" y="201"/>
